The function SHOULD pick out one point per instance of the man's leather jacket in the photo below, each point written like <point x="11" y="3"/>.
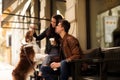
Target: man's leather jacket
<point x="71" y="47"/>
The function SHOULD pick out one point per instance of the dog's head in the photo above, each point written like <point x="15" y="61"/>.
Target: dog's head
<point x="27" y="51"/>
<point x="29" y="36"/>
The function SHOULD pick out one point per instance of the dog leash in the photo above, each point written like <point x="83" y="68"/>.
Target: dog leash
<point x="29" y="60"/>
<point x="35" y="72"/>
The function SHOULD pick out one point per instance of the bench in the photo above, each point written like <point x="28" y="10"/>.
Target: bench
<point x="101" y="58"/>
<point x="108" y="60"/>
<point x="76" y="64"/>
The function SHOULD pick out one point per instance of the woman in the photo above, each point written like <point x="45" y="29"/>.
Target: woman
<point x="49" y="34"/>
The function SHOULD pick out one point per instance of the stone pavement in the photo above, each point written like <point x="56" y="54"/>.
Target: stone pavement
<point x="5" y="71"/>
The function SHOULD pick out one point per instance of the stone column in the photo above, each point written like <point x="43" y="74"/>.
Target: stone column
<point x="75" y="14"/>
<point x="44" y="13"/>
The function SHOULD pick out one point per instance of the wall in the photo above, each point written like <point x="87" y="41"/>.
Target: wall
<point x="44" y="13"/>
<point x="77" y="19"/>
<point x="7" y="3"/>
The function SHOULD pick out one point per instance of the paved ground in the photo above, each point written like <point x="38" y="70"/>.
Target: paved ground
<point x="6" y="69"/>
<point x="97" y="78"/>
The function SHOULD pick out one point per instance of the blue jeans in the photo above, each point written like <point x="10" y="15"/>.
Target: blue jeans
<point x="64" y="71"/>
<point x="48" y="73"/>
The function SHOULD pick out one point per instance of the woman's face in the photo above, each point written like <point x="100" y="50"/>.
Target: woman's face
<point x="53" y="22"/>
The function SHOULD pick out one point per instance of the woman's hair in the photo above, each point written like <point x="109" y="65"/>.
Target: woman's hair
<point x="51" y="29"/>
<point x="57" y="18"/>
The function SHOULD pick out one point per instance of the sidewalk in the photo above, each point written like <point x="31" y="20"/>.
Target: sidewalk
<point x="5" y="71"/>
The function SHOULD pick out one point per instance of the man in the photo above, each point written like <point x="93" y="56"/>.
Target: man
<point x="70" y="50"/>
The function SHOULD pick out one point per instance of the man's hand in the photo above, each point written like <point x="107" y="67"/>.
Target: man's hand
<point x="55" y="65"/>
<point x="68" y="60"/>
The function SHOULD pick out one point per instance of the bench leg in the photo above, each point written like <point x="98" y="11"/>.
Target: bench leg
<point x="76" y="71"/>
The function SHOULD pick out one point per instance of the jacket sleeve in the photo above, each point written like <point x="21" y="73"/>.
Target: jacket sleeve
<point x="40" y="36"/>
<point x="75" y="49"/>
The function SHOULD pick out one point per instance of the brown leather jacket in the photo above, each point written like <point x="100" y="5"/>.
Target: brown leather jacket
<point x="71" y="47"/>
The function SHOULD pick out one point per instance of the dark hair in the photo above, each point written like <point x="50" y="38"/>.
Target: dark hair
<point x="58" y="18"/>
<point x="65" y="24"/>
<point x="51" y="29"/>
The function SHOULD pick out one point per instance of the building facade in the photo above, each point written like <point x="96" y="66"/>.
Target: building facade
<point x="86" y="18"/>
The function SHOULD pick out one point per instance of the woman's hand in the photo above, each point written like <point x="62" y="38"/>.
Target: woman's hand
<point x="32" y="28"/>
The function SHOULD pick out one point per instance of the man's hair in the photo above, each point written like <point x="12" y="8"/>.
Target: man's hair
<point x="65" y="24"/>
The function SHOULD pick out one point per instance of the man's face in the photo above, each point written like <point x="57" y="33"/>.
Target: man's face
<point x="59" y="28"/>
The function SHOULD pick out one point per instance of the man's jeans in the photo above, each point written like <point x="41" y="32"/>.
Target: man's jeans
<point x="48" y="73"/>
<point x="64" y="71"/>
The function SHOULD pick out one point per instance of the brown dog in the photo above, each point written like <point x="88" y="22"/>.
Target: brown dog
<point x="24" y="66"/>
<point x="26" y="63"/>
